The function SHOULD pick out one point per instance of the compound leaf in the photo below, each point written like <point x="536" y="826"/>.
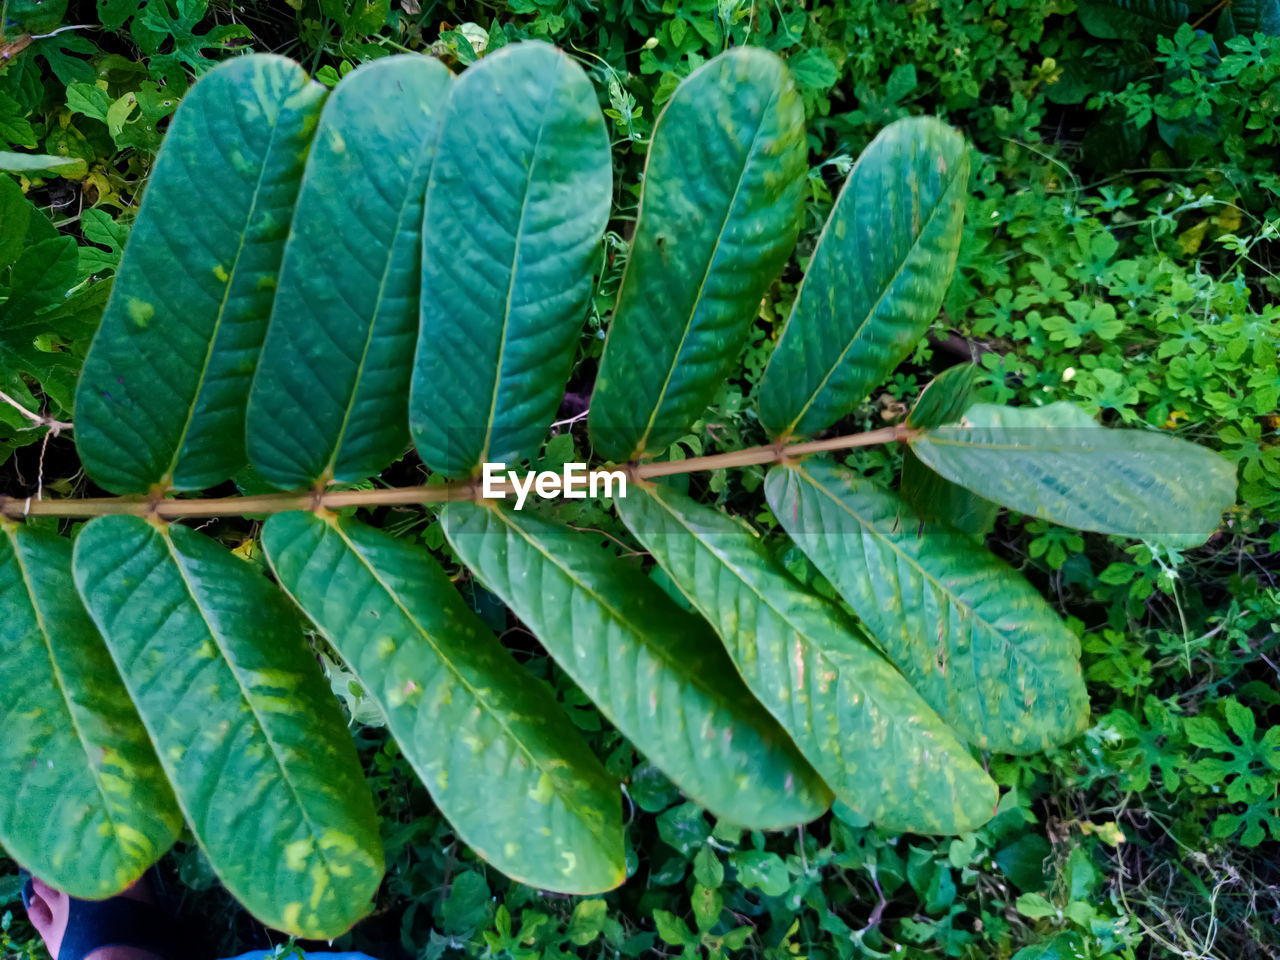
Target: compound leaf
<point x="515" y="209"/>
<point x="86" y="806"/>
<point x="875" y="741"/>
<point x="502" y="761"/>
<point x="653" y="669"/>
<point x="718" y="218"/>
<point x="243" y="721"/>
<point x="975" y="639"/>
<point x="161" y="401"/>
<point x="328" y="396"/>
<point x="1057" y="463"/>
<point x="876" y="279"/>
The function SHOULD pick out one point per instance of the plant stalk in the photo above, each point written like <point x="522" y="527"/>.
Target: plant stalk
<point x="17" y="508"/>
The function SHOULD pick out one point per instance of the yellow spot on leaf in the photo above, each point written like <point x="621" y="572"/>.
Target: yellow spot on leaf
<point x="320" y="883"/>
<point x="544" y="791"/>
<point x="338" y="842"/>
<point x="296" y="853"/>
<point x="140" y="312"/>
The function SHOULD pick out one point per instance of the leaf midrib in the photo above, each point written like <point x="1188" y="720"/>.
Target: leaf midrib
<point x="428" y="155"/>
<point x="850" y="781"/>
<point x="711" y="260"/>
<point x="244" y="695"/>
<point x="167" y="479"/>
<point x="1013" y="649"/>
<point x="511" y="281"/>
<point x="932" y="437"/>
<point x="462" y="681"/>
<point x="875" y="307"/>
<point x="60" y="683"/>
<point x="693" y="680"/>
<point x="870" y="528"/>
<point x="811" y="735"/>
<point x="732" y="568"/>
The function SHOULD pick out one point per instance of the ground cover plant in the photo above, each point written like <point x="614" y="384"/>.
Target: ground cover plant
<point x="1147" y="299"/>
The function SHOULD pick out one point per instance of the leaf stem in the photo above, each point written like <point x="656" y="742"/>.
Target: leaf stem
<point x="17" y="508"/>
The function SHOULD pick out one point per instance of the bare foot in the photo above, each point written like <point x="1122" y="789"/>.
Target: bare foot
<point x="51" y="908"/>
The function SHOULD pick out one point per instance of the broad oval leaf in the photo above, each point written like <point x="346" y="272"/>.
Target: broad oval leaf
<point x="514" y="212"/>
<point x="876" y="279"/>
<point x="500" y="758"/>
<point x="161" y="401"/>
<point x="85" y="805"/>
<point x="975" y="639"/>
<point x="328" y="396"/>
<point x="718" y="217"/>
<point x="1057" y="463"/>
<point x="244" y="724"/>
<point x="875" y="741"/>
<point x="653" y="669"/>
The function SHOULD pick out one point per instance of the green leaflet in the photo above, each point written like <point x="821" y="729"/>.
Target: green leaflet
<point x="35" y="307"/>
<point x="946" y="397"/>
<point x="879" y="746"/>
<point x="85" y="806"/>
<point x="876" y="279"/>
<point x="70" y="167"/>
<point x="245" y="726"/>
<point x="515" y="209"/>
<point x="654" y="670"/>
<point x="328" y="397"/>
<point x="161" y="400"/>
<point x="930" y="496"/>
<point x="20" y="222"/>
<point x="501" y="760"/>
<point x="975" y="639"/>
<point x="37" y="268"/>
<point x="1055" y="462"/>
<point x="718" y="217"/>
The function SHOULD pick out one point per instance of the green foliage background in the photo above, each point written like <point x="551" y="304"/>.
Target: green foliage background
<point x="1120" y="251"/>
